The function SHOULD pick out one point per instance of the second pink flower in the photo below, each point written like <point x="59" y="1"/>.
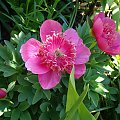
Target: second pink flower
<point x="107" y="38"/>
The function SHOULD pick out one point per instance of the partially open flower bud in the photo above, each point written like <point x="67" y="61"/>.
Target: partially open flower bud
<point x="2" y="93"/>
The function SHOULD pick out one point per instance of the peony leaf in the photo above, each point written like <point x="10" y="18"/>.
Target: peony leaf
<point x="38" y="95"/>
<point x="25" y="116"/>
<point x="15" y="114"/>
<point x="75" y="107"/>
<point x="103" y="3"/>
<point x="23" y="106"/>
<point x="7" y="70"/>
<point x="11" y="86"/>
<point x="115" y="13"/>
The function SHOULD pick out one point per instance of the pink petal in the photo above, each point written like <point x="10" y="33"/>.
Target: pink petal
<point x="118" y="36"/>
<point x="36" y="66"/>
<point x="111" y="50"/>
<point x="48" y="28"/>
<point x="110" y="23"/>
<point x="72" y="35"/>
<point x="2" y="93"/>
<point x="98" y="27"/>
<point x="115" y="48"/>
<point x="116" y="41"/>
<point x="30" y="49"/>
<point x="83" y="54"/>
<point x="49" y="79"/>
<point x="102" y="43"/>
<point x="79" y="70"/>
<point x="101" y="15"/>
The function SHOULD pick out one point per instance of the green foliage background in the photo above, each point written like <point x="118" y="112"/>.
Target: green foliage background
<point x="97" y="91"/>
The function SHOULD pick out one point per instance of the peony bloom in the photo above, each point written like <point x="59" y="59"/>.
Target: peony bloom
<point x="2" y="93"/>
<point x="57" y="52"/>
<point x="107" y="38"/>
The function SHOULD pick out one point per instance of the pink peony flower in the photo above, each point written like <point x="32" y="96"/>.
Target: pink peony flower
<point x="2" y="93"/>
<point x="57" y="52"/>
<point x="107" y="38"/>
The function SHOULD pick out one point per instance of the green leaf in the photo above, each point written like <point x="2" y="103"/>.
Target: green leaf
<point x="1" y="61"/>
<point x="4" y="53"/>
<point x="4" y="6"/>
<point x="62" y="112"/>
<point x="53" y="7"/>
<point x="22" y="81"/>
<point x="22" y="38"/>
<point x="10" y="46"/>
<point x="14" y="53"/>
<point x="103" y="3"/>
<point x="113" y="90"/>
<point x="38" y="95"/>
<point x="88" y="73"/>
<point x="94" y="97"/>
<point x="47" y="94"/>
<point x="15" y="114"/>
<point x="84" y="113"/>
<point x="4" y="104"/>
<point x="23" y="106"/>
<point x="7" y="114"/>
<point x="11" y="86"/>
<point x="115" y="13"/>
<point x="39" y="17"/>
<point x="36" y="85"/>
<point x="32" y="78"/>
<point x="26" y="91"/>
<point x="77" y="104"/>
<point x="118" y="109"/>
<point x="44" y="106"/>
<point x="74" y="106"/>
<point x="25" y="116"/>
<point x="97" y="115"/>
<point x="84" y="30"/>
<point x="71" y="92"/>
<point x="22" y="97"/>
<point x="44" y="116"/>
<point x="7" y="70"/>
<point x="110" y="2"/>
<point x="99" y="88"/>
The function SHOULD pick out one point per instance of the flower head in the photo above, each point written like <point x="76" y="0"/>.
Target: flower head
<point x="57" y="52"/>
<point x="2" y="93"/>
<point x="107" y="38"/>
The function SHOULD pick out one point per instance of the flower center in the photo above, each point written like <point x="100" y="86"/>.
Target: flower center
<point x="109" y="33"/>
<point x="57" y="53"/>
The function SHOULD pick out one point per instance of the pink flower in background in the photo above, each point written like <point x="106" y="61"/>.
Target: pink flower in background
<point x="57" y="52"/>
<point x="2" y="93"/>
<point x="107" y="38"/>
